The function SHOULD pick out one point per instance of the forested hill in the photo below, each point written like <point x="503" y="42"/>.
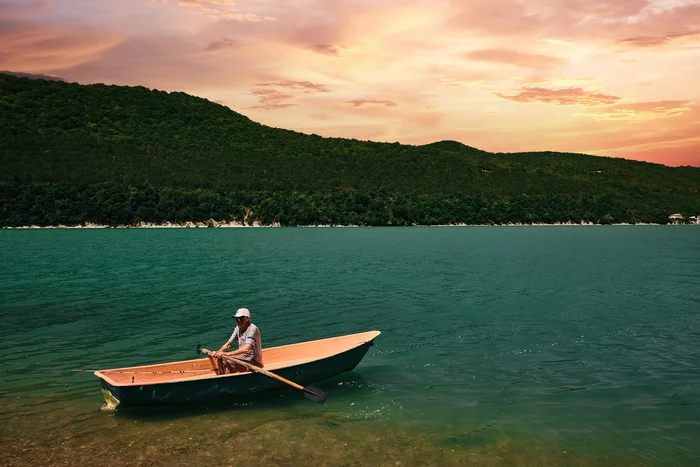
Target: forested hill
<point x="71" y="153"/>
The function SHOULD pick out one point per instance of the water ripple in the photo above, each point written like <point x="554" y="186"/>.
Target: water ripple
<point x="577" y="338"/>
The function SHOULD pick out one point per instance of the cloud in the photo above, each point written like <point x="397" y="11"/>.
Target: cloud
<point x="41" y="4"/>
<point x="515" y="57"/>
<point x="321" y="36"/>
<point x="463" y="83"/>
<point x="426" y="118"/>
<point x="656" y="41"/>
<point x="205" y="3"/>
<point x="643" y="111"/>
<point x="667" y="141"/>
<point x="366" y="102"/>
<point x="32" y="75"/>
<point x="673" y="23"/>
<point x="677" y="143"/>
<point x="566" y="96"/>
<point x="218" y="9"/>
<point x="562" y="82"/>
<point x="674" y="156"/>
<point x="573" y="22"/>
<point x="30" y="47"/>
<point x="249" y="17"/>
<point x="339" y="28"/>
<point x="13" y="11"/>
<point x="326" y="49"/>
<point x="272" y="99"/>
<point x="459" y="74"/>
<point x="166" y="62"/>
<point x="222" y="44"/>
<point x="306" y="86"/>
<point x="556" y="41"/>
<point x="198" y="3"/>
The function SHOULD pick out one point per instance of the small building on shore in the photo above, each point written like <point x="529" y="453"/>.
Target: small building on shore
<point x="694" y="219"/>
<point x="676" y="218"/>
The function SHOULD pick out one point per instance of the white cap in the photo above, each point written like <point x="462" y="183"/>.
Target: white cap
<point x="242" y="312"/>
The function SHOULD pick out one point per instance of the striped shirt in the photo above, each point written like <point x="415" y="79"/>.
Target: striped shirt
<point x="250" y="336"/>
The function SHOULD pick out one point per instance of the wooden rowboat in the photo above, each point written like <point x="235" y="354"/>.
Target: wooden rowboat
<point x="180" y="382"/>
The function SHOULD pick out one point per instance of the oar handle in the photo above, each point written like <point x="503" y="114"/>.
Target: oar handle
<point x="254" y="368"/>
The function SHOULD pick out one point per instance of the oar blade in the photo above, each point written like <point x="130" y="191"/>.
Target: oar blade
<point x="315" y="394"/>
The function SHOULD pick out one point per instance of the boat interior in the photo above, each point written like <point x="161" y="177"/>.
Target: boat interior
<point x="273" y="358"/>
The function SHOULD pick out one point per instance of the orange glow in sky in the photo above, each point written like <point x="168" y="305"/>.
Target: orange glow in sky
<point x="606" y="77"/>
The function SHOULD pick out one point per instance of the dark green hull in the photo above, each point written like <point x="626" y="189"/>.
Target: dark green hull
<point x="180" y="392"/>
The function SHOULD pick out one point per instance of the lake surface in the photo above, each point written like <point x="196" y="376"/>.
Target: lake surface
<point x="500" y="345"/>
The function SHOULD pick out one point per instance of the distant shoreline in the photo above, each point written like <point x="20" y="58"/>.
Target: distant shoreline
<point x="241" y="225"/>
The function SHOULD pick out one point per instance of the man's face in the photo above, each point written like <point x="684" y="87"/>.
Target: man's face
<point x="241" y="322"/>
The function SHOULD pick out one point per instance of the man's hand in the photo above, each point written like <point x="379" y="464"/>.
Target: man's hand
<point x="221" y="351"/>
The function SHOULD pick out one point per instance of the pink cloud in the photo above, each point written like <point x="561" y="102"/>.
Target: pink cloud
<point x="169" y="63"/>
<point x="515" y="57"/>
<point x="204" y="3"/>
<point x="326" y="49"/>
<point x="13" y="10"/>
<point x="306" y="86"/>
<point x="566" y="96"/>
<point x="41" y="4"/>
<point x="326" y="28"/>
<point x="655" y="41"/>
<point x="220" y="9"/>
<point x="683" y="19"/>
<point x="29" y="47"/>
<point x="222" y="44"/>
<point x="32" y="75"/>
<point x="365" y="102"/>
<point x="426" y="119"/>
<point x="272" y="99"/>
<point x="672" y="140"/>
<point x="643" y="111"/>
<point x="661" y="106"/>
<point x="673" y="156"/>
<point x="596" y="21"/>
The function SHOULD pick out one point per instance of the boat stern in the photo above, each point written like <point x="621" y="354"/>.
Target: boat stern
<point x="109" y="392"/>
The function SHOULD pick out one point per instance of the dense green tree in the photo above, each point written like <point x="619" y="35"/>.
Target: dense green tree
<point x="122" y="155"/>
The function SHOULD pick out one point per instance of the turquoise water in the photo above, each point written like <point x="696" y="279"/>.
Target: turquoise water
<point x="499" y="346"/>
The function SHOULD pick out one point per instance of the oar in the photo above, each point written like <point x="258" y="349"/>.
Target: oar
<point x="311" y="392"/>
<point x="147" y="372"/>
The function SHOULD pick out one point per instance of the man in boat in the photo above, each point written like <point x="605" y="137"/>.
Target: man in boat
<point x="249" y="345"/>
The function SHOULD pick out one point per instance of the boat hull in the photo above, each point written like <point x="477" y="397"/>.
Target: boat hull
<point x="231" y="386"/>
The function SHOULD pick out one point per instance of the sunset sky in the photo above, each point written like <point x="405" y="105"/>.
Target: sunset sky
<point x="606" y="77"/>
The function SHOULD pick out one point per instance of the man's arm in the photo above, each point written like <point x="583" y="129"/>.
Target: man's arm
<point x="223" y="348"/>
<point x="241" y="350"/>
<point x="251" y="336"/>
<point x="227" y="345"/>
